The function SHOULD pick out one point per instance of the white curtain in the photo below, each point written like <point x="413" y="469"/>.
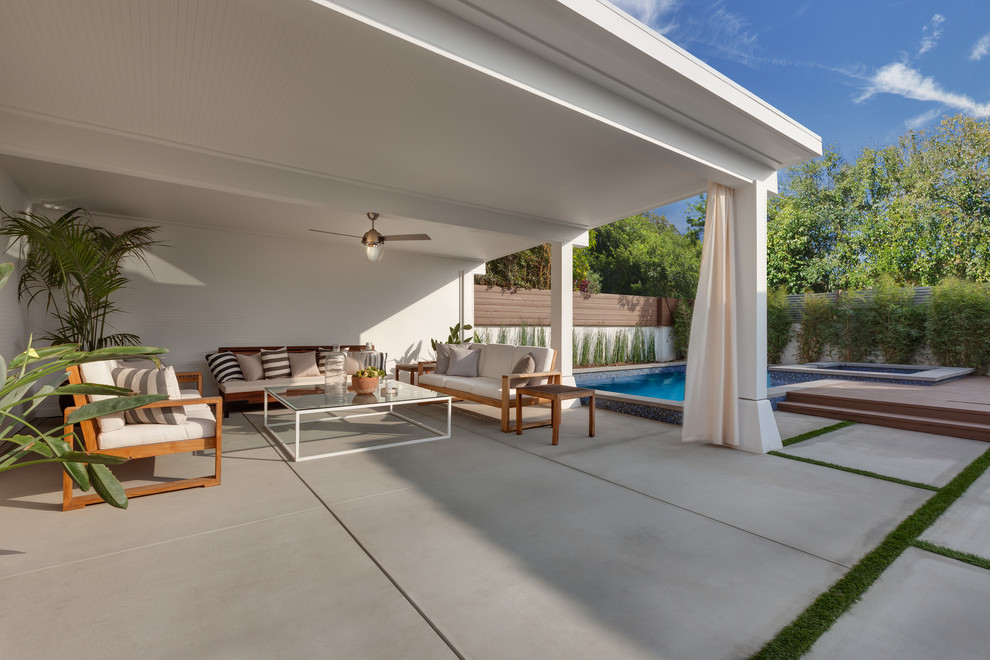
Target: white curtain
<point x="711" y="404"/>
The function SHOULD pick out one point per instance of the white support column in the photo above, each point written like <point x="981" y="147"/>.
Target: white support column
<point x="562" y="307"/>
<point x="757" y="427"/>
<point x="465" y="312"/>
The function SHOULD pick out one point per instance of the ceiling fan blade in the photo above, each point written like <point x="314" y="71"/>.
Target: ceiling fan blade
<point x="407" y="237"/>
<point x="335" y="233"/>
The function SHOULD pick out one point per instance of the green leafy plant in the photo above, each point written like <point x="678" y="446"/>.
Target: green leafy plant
<point x="959" y="324"/>
<point x="503" y="335"/>
<point x="651" y="348"/>
<point x="30" y="378"/>
<point x="637" y="352"/>
<point x="540" y="336"/>
<point x="817" y="328"/>
<point x="586" y="351"/>
<point x="682" y="328"/>
<point x="524" y="338"/>
<point x="455" y="336"/>
<point x="898" y="324"/>
<point x="779" y="325"/>
<point x="600" y="349"/>
<point x="370" y="372"/>
<point x="853" y="335"/>
<point x="76" y="267"/>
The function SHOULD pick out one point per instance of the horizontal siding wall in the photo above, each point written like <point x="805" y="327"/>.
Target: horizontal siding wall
<point x="795" y="302"/>
<point x="494" y="306"/>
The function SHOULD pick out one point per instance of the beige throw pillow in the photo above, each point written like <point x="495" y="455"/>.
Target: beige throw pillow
<point x="525" y="365"/>
<point x="303" y="364"/>
<point x="463" y="362"/>
<point x="251" y="366"/>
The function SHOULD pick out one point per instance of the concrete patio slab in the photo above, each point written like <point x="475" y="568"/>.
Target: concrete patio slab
<point x="38" y="534"/>
<point x="923" y="606"/>
<point x="828" y="513"/>
<point x="910" y="455"/>
<point x="539" y="560"/>
<point x="791" y="425"/>
<point x="294" y="585"/>
<point x="965" y="526"/>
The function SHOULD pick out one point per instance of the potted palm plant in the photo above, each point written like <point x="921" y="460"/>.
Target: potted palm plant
<point x="75" y="267"/>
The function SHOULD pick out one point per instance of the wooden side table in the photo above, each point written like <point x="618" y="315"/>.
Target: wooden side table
<point x="555" y="394"/>
<point x="412" y="368"/>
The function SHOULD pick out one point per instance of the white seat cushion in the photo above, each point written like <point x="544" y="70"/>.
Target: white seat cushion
<point x="496" y="360"/>
<point x="200" y="423"/>
<point x="235" y="386"/>
<point x="488" y="387"/>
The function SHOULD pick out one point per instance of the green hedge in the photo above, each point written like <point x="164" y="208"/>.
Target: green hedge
<point x="959" y="325"/>
<point x="779" y="325"/>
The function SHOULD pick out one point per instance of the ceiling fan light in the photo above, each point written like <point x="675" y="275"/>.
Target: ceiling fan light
<point x="374" y="251"/>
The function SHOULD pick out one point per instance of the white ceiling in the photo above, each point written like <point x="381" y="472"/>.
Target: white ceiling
<point x="273" y="118"/>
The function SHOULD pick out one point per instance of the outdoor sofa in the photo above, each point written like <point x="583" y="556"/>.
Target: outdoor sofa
<point x="496" y="374"/>
<point x="244" y="381"/>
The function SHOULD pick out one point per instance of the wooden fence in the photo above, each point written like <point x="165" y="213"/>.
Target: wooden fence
<point x="493" y="306"/>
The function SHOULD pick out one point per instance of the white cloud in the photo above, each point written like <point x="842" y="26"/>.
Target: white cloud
<point x="980" y="48"/>
<point x="900" y="79"/>
<point x="924" y="119"/>
<point x="654" y="13"/>
<point x="931" y="33"/>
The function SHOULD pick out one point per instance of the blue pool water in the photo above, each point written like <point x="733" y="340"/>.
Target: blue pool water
<point x="663" y="385"/>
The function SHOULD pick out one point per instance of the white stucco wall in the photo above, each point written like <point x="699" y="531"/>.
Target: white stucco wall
<point x="211" y="288"/>
<point x="13" y="322"/>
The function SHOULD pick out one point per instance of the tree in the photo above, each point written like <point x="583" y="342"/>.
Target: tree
<point x="646" y="255"/>
<point x="916" y="212"/>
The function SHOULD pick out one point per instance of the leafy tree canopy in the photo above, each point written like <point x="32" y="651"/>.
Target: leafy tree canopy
<point x="918" y="212"/>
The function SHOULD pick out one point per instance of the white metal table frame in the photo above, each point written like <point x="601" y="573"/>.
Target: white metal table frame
<point x="389" y="405"/>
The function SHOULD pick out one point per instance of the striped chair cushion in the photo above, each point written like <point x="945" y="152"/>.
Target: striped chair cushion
<point x="224" y="367"/>
<point x="276" y="363"/>
<point x="151" y="381"/>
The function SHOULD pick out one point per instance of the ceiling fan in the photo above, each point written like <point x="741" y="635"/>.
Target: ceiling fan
<point x="373" y="241"/>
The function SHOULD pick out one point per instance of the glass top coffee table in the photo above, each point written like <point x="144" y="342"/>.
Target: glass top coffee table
<point x="319" y="403"/>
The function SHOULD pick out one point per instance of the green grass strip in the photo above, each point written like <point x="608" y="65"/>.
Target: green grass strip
<point x="814" y="434"/>
<point x="799" y="636"/>
<point x="975" y="560"/>
<point x="864" y="473"/>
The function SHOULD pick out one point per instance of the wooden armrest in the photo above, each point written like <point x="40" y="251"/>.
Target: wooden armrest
<point x="425" y="367"/>
<point x="191" y="377"/>
<point x="552" y="375"/>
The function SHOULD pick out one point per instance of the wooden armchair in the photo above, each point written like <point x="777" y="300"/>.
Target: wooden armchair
<point x="202" y="431"/>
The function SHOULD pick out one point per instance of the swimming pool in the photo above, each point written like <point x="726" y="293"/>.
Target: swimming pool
<point x="667" y="384"/>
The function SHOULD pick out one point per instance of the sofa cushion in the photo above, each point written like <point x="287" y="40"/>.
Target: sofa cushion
<point x="237" y="386"/>
<point x="524" y="365"/>
<point x="151" y="381"/>
<point x="251" y="366"/>
<point x="224" y="366"/>
<point x="489" y="387"/>
<point x="463" y="362"/>
<point x="200" y="423"/>
<point x="303" y="364"/>
<point x="276" y="363"/>
<point x="496" y="360"/>
<point x="434" y="379"/>
<point x="443" y="357"/>
<point x="542" y="356"/>
<point x="101" y="373"/>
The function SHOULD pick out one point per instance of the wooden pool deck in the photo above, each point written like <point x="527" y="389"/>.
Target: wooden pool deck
<point x="960" y="408"/>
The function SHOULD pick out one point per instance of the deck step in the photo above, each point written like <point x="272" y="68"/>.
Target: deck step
<point x="898" y="420"/>
<point x="913" y="409"/>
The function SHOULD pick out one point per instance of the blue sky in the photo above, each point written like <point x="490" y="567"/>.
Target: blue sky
<point x="860" y="74"/>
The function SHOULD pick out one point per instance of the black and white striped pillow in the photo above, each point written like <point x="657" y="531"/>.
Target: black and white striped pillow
<point x="151" y="381"/>
<point x="224" y="367"/>
<point x="276" y="363"/>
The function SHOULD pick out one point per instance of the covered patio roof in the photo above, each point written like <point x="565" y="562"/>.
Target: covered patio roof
<point x="492" y="127"/>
